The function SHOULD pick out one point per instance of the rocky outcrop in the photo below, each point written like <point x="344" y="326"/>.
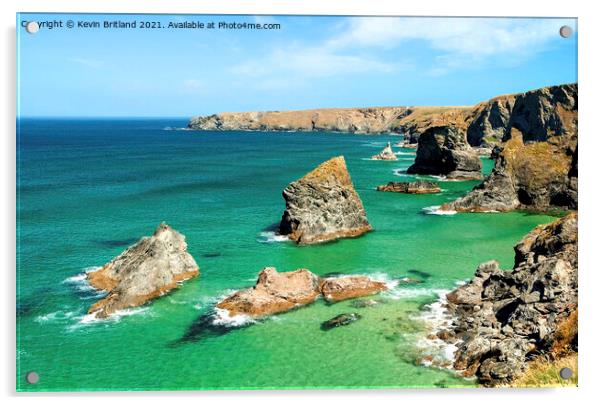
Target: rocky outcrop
<point x="280" y="292"/>
<point x="535" y="175"/>
<point x="503" y="318"/>
<point x="152" y="267"/>
<point x="443" y="150"/>
<point x="344" y="288"/>
<point x="273" y="293"/>
<point x="537" y="114"/>
<point x="413" y="187"/>
<point x="340" y="320"/>
<point x="386" y="154"/>
<point x="355" y="120"/>
<point x="323" y="206"/>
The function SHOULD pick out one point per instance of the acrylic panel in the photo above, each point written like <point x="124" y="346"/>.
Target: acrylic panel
<point x="295" y="202"/>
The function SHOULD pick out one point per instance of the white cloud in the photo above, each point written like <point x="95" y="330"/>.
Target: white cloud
<point x="455" y="43"/>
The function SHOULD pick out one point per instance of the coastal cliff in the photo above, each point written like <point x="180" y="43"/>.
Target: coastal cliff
<point x="323" y="206"/>
<point x="152" y="267"/>
<point x="503" y="319"/>
<point x="536" y="165"/>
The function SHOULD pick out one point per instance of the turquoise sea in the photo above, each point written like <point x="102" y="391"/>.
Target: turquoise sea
<point x="87" y="189"/>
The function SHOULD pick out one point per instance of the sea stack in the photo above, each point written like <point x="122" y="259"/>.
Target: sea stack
<point x="443" y="150"/>
<point x="144" y="271"/>
<point x="323" y="206"/>
<point x="386" y="154"/>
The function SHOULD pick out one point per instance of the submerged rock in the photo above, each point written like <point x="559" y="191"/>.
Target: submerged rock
<point x="502" y="317"/>
<point x="144" y="271"/>
<point x="386" y="154"/>
<point x="340" y="320"/>
<point x="273" y="293"/>
<point x="414" y="187"/>
<point x="343" y="288"/>
<point x="443" y="150"/>
<point x="323" y="206"/>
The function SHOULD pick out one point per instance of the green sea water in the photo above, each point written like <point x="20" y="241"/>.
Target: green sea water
<point x="88" y="189"/>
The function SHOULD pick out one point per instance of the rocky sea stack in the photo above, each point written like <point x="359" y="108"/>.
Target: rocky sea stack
<point x="412" y="187"/>
<point x="505" y="318"/>
<point x="144" y="271"/>
<point x="386" y="154"/>
<point x="277" y="292"/>
<point x="323" y="206"/>
<point x="443" y="150"/>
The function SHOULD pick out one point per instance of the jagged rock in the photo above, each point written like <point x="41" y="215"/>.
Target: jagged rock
<point x="490" y="122"/>
<point x="323" y="206"/>
<point x="273" y="293"/>
<point x="144" y="271"/>
<point x="280" y="292"/>
<point x="414" y="187"/>
<point x="443" y="150"/>
<point x="340" y="320"/>
<point x="536" y="175"/>
<point x="501" y="317"/>
<point x="386" y="154"/>
<point x="343" y="288"/>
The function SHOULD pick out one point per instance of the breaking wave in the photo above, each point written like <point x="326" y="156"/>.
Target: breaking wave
<point x="271" y="237"/>
<point x="436" y="210"/>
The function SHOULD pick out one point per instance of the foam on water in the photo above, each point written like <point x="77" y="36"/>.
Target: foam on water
<point x="271" y="237"/>
<point x="222" y="317"/>
<point x="436" y="210"/>
<point x="437" y="317"/>
<point x="91" y="319"/>
<point x="55" y="316"/>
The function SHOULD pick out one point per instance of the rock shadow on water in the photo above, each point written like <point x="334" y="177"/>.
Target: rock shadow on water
<point x="421" y="274"/>
<point x="113" y="243"/>
<point x="206" y="327"/>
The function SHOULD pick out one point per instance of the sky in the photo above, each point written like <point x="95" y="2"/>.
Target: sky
<point x="310" y="62"/>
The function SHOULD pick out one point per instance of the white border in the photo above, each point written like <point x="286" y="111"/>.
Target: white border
<point x="591" y="136"/>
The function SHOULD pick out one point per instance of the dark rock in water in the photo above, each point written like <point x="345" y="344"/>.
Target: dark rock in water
<point x="443" y="150"/>
<point x="502" y="317"/>
<point x="323" y="206"/>
<point x="414" y="187"/>
<point x="340" y="320"/>
<point x="150" y="268"/>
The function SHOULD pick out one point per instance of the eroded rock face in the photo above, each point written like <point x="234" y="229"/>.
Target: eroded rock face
<point x="150" y="268"/>
<point x="323" y="206"/>
<point x="413" y="187"/>
<point x="535" y="175"/>
<point x="443" y="150"/>
<point x="504" y="316"/>
<point x="280" y="292"/>
<point x="273" y="293"/>
<point x="386" y="154"/>
<point x="344" y="288"/>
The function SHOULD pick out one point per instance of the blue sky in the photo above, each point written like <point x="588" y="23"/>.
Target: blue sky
<point x="311" y="62"/>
